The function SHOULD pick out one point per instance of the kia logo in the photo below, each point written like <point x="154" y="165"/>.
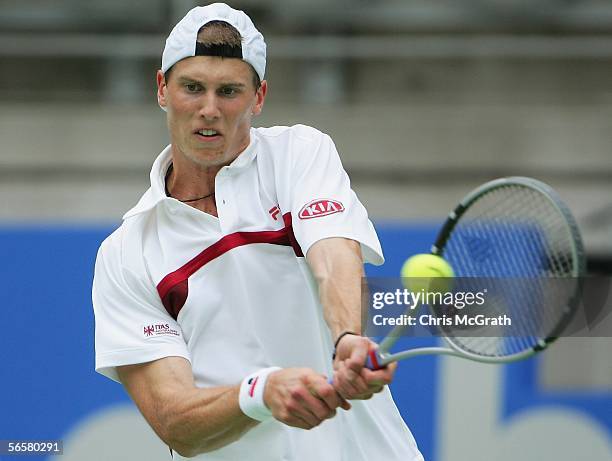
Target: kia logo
<point x="320" y="207"/>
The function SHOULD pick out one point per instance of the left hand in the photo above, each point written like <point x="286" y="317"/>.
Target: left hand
<point x="352" y="380"/>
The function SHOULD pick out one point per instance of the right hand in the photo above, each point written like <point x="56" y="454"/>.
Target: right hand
<point x="301" y="397"/>
<point x="352" y="380"/>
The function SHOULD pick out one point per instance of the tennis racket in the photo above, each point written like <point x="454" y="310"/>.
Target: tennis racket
<point x="508" y="228"/>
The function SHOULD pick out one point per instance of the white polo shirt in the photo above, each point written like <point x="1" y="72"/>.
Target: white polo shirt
<point x="233" y="293"/>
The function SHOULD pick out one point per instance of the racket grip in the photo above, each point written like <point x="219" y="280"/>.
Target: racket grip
<point x="374" y="360"/>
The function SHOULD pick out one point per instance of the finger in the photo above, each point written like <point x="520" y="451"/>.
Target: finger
<point x="329" y="396"/>
<point x="321" y="397"/>
<point x="348" y="384"/>
<point x="356" y="380"/>
<point x="316" y="406"/>
<point x="347" y="373"/>
<point x="358" y="356"/>
<point x="344" y="388"/>
<point x="345" y="404"/>
<point x="296" y="420"/>
<point x="377" y="380"/>
<point x="380" y="377"/>
<point x="322" y="388"/>
<point x="291" y="418"/>
<point x="300" y="413"/>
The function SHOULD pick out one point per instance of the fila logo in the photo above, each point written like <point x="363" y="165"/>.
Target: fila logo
<point x="274" y="211"/>
<point x="252" y="383"/>
<point x="320" y="207"/>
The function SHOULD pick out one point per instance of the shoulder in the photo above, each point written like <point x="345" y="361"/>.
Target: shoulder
<point x="291" y="145"/>
<point x="110" y="248"/>
<point x="123" y="247"/>
<point x="292" y="135"/>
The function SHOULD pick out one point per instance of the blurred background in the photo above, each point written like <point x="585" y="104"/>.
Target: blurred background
<point x="424" y="99"/>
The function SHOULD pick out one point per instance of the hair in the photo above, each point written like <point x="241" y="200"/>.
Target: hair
<point x="221" y="33"/>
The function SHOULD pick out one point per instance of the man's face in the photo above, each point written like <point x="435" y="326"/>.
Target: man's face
<point x="210" y="102"/>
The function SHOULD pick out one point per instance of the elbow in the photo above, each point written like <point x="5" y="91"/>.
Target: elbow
<point x="181" y="446"/>
<point x="188" y="449"/>
<point x="185" y="452"/>
<point x="178" y="436"/>
<point x="175" y="434"/>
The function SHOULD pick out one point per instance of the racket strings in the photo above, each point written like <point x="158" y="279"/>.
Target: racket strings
<point x="535" y="247"/>
<point x="473" y="251"/>
<point x="519" y="237"/>
<point x="506" y="244"/>
<point x="534" y="251"/>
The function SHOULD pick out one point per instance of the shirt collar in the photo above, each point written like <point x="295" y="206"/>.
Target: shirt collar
<point x="157" y="192"/>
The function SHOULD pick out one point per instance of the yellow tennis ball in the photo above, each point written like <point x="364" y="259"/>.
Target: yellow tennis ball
<point x="427" y="272"/>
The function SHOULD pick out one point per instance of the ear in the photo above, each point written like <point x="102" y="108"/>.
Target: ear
<point x="161" y="89"/>
<point x="260" y="97"/>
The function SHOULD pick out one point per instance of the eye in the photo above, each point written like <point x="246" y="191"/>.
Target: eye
<point x="193" y="87"/>
<point x="228" y="91"/>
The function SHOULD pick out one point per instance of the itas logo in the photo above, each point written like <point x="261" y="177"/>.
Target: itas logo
<point x="159" y="329"/>
<point x="320" y="207"/>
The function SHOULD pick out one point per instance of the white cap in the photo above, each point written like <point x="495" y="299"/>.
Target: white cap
<point x="181" y="43"/>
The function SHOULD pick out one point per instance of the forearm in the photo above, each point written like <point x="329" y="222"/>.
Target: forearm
<point x="338" y="268"/>
<point x="203" y="420"/>
<point x="189" y="419"/>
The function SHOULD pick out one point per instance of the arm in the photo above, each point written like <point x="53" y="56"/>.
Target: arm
<point x="188" y="419"/>
<point x="192" y="420"/>
<point x="338" y="268"/>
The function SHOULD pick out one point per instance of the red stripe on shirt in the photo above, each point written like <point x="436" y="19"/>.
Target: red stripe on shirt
<point x="173" y="288"/>
<point x="294" y="243"/>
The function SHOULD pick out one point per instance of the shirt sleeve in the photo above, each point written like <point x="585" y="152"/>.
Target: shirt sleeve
<point x="323" y="205"/>
<point x="131" y="324"/>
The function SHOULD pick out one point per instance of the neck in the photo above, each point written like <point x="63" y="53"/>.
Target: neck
<point x="190" y="176"/>
<point x="194" y="188"/>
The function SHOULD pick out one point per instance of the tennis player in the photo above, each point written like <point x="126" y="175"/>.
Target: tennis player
<point x="230" y="295"/>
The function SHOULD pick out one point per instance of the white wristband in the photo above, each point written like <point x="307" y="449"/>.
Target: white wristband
<point x="251" y="398"/>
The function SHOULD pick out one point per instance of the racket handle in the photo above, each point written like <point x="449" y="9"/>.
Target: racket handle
<point x="374" y="360"/>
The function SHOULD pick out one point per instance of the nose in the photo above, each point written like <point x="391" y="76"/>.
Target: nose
<point x="209" y="108"/>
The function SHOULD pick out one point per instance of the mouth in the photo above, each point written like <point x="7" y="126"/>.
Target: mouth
<point x="208" y="134"/>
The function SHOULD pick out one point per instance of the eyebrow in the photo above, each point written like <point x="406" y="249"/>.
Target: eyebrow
<point x="183" y="80"/>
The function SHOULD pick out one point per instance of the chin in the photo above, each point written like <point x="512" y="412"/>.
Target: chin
<point x="208" y="159"/>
